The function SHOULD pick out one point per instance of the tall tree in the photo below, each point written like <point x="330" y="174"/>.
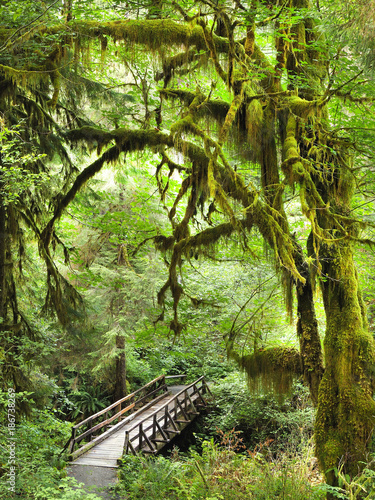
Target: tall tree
<point x="238" y="105"/>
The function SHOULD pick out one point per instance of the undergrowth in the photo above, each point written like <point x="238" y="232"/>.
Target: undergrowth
<point x="223" y="471"/>
<point x="38" y="466"/>
<point x="286" y="424"/>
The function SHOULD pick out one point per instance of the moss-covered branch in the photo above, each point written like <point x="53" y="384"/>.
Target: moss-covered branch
<point x="212" y="108"/>
<point x="152" y="33"/>
<point x="272" y="369"/>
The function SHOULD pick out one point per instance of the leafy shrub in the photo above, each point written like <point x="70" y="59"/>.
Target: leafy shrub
<point x="78" y="397"/>
<point x="219" y="473"/>
<point x="284" y="424"/>
<point x="39" y="442"/>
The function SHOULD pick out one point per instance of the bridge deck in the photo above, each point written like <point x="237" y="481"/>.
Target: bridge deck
<point x="106" y="453"/>
<point x="142" y="421"/>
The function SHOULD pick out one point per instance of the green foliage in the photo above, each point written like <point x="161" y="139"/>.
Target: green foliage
<point x="361" y="486"/>
<point x="267" y="121"/>
<point x="78" y="396"/>
<point x="16" y="175"/>
<point x="87" y="403"/>
<point x="39" y="466"/>
<point x="286" y="424"/>
<point x="219" y="473"/>
<point x="68" y="489"/>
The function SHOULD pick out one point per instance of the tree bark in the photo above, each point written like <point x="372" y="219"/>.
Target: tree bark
<point x="308" y="333"/>
<point x="120" y="382"/>
<point x="2" y="262"/>
<point x="346" y="409"/>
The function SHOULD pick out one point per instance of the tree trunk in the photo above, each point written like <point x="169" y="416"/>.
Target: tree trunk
<point x="120" y="383"/>
<point x="67" y="10"/>
<point x="346" y="409"/>
<point x="308" y="334"/>
<point x="2" y="262"/>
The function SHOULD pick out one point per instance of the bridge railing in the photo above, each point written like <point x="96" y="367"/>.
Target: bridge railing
<point x="99" y="423"/>
<point x="167" y="420"/>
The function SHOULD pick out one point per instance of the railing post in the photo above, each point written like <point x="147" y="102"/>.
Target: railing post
<point x="140" y="436"/>
<point x="72" y="440"/>
<point x="153" y="436"/>
<point x="126" y="443"/>
<point x="165" y="417"/>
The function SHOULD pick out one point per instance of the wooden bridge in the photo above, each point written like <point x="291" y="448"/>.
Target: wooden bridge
<point x="144" y="421"/>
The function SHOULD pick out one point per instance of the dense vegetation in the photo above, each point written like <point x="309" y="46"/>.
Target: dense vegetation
<point x="182" y="183"/>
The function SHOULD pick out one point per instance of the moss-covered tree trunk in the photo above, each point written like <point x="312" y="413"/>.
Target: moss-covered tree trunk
<point x="308" y="335"/>
<point x="346" y="409"/>
<point x="2" y="262"/>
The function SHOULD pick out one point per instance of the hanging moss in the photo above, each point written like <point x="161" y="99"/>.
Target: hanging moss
<point x="25" y="77"/>
<point x="254" y="120"/>
<point x="273" y="369"/>
<point x="230" y="117"/>
<point x="173" y="64"/>
<point x="127" y="140"/>
<point x="302" y="107"/>
<point x="208" y="238"/>
<point x="164" y="243"/>
<point x="250" y="39"/>
<point x="55" y="80"/>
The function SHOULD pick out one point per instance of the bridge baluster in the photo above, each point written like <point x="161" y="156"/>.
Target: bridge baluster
<point x="140" y="436"/>
<point x="154" y="426"/>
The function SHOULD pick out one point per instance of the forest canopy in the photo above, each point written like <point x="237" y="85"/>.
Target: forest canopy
<point x="257" y="124"/>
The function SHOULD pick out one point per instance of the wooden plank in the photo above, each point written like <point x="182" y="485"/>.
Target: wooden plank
<point x="113" y="429"/>
<point x="96" y="463"/>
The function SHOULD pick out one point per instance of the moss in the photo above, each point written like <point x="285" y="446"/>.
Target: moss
<point x="163" y="243"/>
<point x="281" y="55"/>
<point x="346" y="409"/>
<point x="302" y="107"/>
<point x="254" y="120"/>
<point x="152" y="33"/>
<point x="230" y="117"/>
<point x="127" y="140"/>
<point x="250" y="40"/>
<point x="211" y="108"/>
<point x="172" y="65"/>
<point x="213" y="48"/>
<point x="272" y="369"/>
<point x="208" y="238"/>
<point x="24" y="77"/>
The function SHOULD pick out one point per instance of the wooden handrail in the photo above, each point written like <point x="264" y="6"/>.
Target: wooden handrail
<point x="117" y="403"/>
<point x="112" y="430"/>
<point x="180" y="402"/>
<point x="151" y="389"/>
<point x="181" y="375"/>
